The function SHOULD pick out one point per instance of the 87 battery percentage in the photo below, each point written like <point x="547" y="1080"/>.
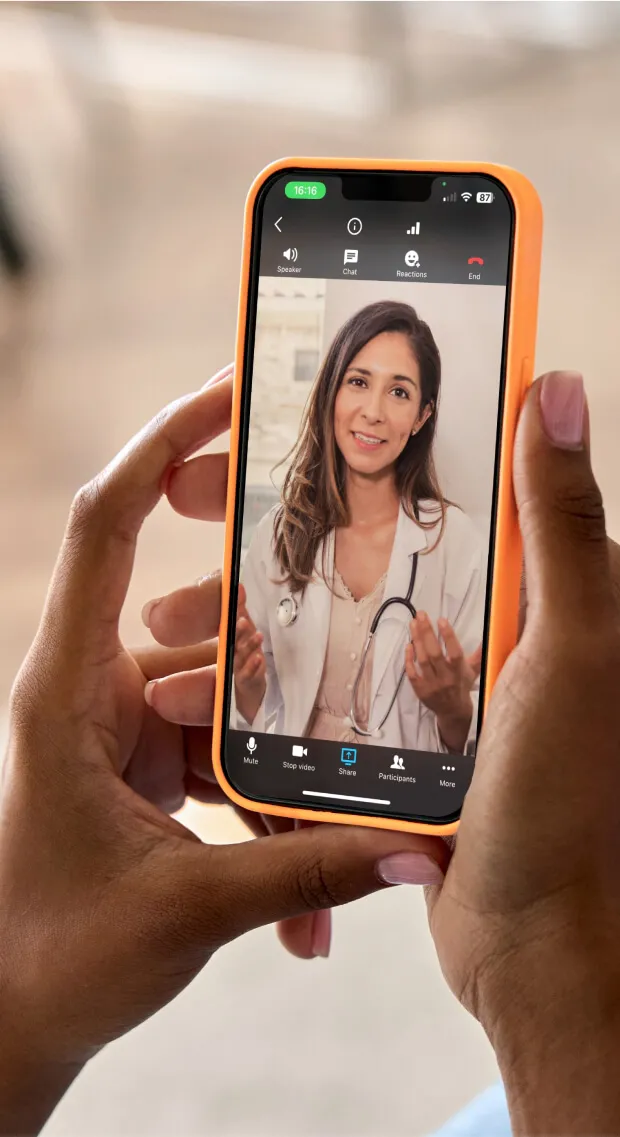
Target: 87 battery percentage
<point x="485" y="197"/>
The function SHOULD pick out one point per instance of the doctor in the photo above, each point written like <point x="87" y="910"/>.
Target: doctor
<point x="362" y="517"/>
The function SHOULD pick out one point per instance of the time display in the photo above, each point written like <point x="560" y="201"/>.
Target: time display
<point x="305" y="190"/>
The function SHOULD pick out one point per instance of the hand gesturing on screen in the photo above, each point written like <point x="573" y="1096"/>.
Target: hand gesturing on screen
<point x="442" y="677"/>
<point x="249" y="666"/>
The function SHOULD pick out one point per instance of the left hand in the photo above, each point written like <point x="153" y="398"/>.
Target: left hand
<point x="443" y="679"/>
<point x="190" y="616"/>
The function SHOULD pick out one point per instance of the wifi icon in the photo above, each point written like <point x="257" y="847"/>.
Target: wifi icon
<point x="466" y="196"/>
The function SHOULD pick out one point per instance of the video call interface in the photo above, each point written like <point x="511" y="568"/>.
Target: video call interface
<point x="372" y="393"/>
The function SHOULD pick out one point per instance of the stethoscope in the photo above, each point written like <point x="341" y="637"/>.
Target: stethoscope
<point x="406" y="601"/>
<point x="287" y="612"/>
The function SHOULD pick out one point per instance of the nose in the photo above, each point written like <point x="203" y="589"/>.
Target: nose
<point x="373" y="411"/>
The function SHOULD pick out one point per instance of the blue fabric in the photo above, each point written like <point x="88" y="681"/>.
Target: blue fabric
<point x="485" y="1116"/>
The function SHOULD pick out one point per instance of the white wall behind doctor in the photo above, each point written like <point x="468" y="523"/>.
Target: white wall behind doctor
<point x="467" y="324"/>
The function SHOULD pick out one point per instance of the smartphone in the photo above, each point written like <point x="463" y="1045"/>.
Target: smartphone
<point x="370" y="592"/>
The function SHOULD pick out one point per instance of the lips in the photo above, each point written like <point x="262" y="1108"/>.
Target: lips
<point x="367" y="441"/>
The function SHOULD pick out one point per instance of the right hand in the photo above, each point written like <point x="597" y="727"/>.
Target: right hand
<point x="250" y="668"/>
<point x="527" y="921"/>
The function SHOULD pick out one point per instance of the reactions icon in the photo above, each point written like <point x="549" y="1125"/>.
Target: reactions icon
<point x="411" y="258"/>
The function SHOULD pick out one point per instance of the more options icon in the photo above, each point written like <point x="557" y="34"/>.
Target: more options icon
<point x="348" y="755"/>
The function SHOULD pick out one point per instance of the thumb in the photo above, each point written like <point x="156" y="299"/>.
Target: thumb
<point x="234" y="888"/>
<point x="560" y="507"/>
<point x="95" y="563"/>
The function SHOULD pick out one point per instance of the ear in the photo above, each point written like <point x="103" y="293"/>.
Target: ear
<point x="423" y="417"/>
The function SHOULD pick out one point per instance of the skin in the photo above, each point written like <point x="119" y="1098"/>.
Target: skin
<point x="108" y="906"/>
<point x="377" y="409"/>
<point x="526" y="914"/>
<point x="527" y="920"/>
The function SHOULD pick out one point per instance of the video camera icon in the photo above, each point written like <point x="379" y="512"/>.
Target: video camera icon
<point x="300" y="751"/>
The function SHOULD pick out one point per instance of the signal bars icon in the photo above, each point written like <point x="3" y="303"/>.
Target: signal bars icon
<point x="454" y="196"/>
<point x="414" y="231"/>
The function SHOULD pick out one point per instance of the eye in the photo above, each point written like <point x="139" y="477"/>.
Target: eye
<point x="400" y="392"/>
<point x="356" y="381"/>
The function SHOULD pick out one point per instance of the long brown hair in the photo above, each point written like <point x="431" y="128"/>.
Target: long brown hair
<point x="313" y="494"/>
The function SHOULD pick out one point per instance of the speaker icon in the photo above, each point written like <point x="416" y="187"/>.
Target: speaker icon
<point x="290" y="254"/>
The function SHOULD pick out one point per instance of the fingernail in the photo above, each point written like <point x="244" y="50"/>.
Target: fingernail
<point x="147" y="611"/>
<point x="209" y="576"/>
<point x="409" y="868"/>
<point x="321" y="933"/>
<point x="148" y="692"/>
<point x="217" y="378"/>
<point x="562" y="405"/>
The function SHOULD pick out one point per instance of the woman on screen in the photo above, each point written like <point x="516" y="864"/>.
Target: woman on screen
<point x="362" y="521"/>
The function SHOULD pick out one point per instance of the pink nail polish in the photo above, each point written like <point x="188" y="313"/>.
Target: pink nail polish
<point x="409" y="868"/>
<point x="562" y="405"/>
<point x="321" y="933"/>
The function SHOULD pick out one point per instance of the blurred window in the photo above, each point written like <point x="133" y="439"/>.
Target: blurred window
<point x="306" y="366"/>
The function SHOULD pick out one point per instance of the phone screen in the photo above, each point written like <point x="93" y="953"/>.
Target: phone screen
<point x="369" y="448"/>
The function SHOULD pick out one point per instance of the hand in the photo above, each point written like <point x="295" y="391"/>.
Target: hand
<point x="527" y="922"/>
<point x="443" y="680"/>
<point x="108" y="906"/>
<point x="190" y="616"/>
<point x="250" y="668"/>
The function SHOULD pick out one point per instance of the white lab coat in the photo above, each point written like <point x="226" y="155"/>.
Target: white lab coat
<point x="450" y="582"/>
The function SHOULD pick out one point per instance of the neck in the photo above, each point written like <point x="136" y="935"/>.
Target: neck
<point x="371" y="500"/>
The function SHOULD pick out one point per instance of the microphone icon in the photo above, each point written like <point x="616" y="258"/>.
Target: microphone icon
<point x="251" y="744"/>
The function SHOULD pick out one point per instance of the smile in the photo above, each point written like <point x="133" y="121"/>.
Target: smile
<point x="367" y="441"/>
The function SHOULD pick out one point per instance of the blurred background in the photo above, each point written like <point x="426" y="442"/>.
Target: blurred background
<point x="129" y="134"/>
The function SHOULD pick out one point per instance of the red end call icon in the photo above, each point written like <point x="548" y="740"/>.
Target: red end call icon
<point x="475" y="261"/>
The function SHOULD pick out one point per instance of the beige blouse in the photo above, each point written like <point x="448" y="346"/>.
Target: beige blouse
<point x="349" y="626"/>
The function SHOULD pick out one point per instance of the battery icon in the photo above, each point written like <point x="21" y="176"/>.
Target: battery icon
<point x="485" y="197"/>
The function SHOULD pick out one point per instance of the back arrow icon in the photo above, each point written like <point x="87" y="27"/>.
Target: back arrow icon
<point x="277" y="224"/>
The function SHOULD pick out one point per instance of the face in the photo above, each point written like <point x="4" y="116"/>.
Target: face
<point x="377" y="407"/>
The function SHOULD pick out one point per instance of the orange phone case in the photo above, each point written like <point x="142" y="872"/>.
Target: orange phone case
<point x="519" y="370"/>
